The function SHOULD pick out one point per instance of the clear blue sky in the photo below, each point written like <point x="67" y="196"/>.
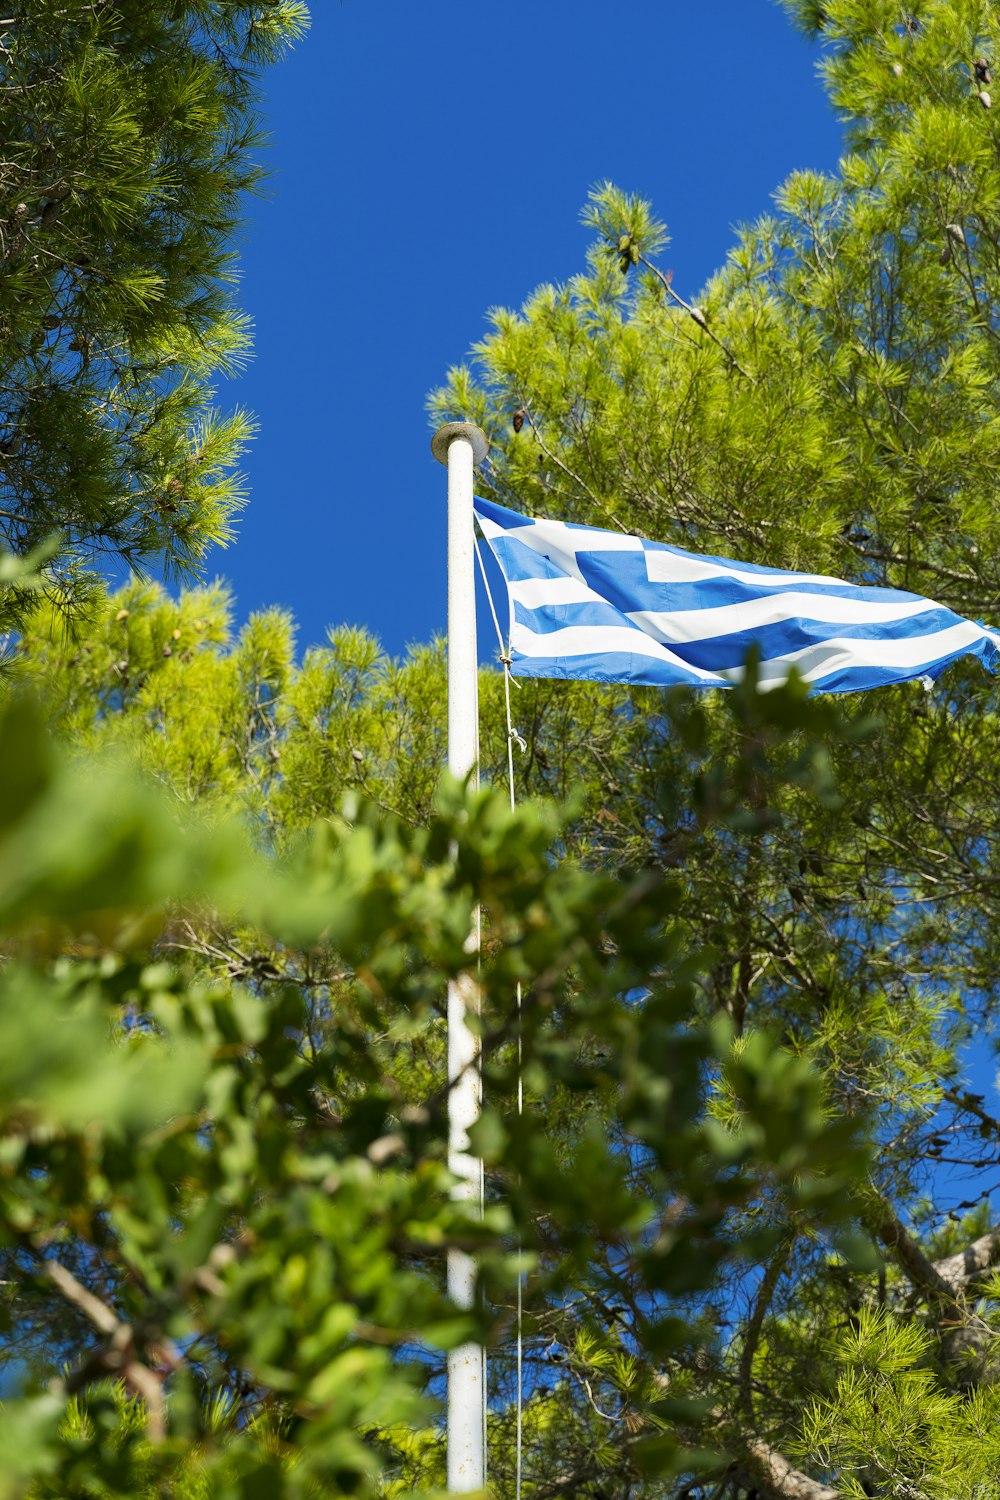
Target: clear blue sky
<point x="429" y="161"/>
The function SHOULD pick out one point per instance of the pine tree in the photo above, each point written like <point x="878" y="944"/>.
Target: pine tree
<point x="130" y="137"/>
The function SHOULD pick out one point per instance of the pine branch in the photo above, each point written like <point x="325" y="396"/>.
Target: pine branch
<point x="116" y="1356"/>
<point x="922" y="1272"/>
<point x="774" y="1478"/>
<point x="696" y="314"/>
<point x="968" y="1343"/>
<point x="762" y="1302"/>
<point x="946" y="1279"/>
<point x="564" y="468"/>
<point x="968" y="1266"/>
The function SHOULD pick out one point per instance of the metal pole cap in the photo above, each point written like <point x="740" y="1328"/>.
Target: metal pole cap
<point x="445" y="436"/>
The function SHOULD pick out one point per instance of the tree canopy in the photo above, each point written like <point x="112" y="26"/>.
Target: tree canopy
<point x="130" y="136"/>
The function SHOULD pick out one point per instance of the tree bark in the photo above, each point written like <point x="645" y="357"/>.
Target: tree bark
<point x="966" y="1267"/>
<point x="923" y="1273"/>
<point x="774" y="1478"/>
<point x="968" y="1343"/>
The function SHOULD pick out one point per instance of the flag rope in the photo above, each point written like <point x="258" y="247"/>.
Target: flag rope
<point x="504" y="651"/>
<point x="512" y="736"/>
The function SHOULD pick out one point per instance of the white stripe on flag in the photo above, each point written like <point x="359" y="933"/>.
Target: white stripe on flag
<point x="537" y="593"/>
<point x="752" y="614"/>
<point x="665" y="566"/>
<point x="594" y="640"/>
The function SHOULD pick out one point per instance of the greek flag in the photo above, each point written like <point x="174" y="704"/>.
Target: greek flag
<point x="607" y="607"/>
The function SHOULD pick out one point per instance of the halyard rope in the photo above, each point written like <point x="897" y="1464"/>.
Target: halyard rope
<point x="512" y="736"/>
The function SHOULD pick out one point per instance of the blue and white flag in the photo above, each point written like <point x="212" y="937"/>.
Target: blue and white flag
<point x="607" y="607"/>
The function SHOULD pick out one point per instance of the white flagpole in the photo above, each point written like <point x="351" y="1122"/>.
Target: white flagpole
<point x="461" y="446"/>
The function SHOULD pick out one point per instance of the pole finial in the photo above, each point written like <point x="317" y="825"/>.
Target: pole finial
<point x="442" y="439"/>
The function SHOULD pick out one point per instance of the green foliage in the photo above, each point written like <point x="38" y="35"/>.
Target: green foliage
<point x="130" y="139"/>
<point x="237" y="1192"/>
<point x="891" y="1426"/>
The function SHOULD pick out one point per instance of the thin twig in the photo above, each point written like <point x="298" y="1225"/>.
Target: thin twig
<point x="762" y="1302"/>
<point x="698" y="317"/>
<point x="103" y="1319"/>
<point x="576" y="479"/>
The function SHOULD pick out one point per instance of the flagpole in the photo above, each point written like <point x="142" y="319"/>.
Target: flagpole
<point x="460" y="447"/>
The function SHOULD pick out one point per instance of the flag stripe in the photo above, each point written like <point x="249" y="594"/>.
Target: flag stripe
<point x="543" y="593"/>
<point x="777" y="609"/>
<point x="590" y="640"/>
<point x="604" y="606"/>
<point x="672" y="565"/>
<point x="716" y="653"/>
<point x="728" y="619"/>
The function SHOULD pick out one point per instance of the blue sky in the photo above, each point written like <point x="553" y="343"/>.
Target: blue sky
<point x="429" y="161"/>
